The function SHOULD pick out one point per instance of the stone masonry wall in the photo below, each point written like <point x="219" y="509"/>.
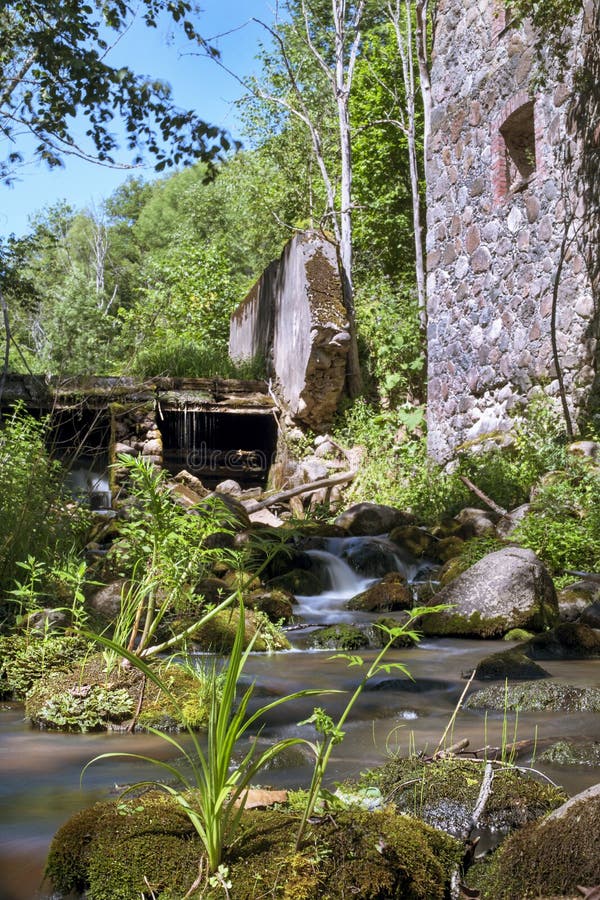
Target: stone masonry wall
<point x="500" y="200"/>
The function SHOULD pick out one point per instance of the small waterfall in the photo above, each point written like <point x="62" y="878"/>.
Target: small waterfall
<point x="349" y="566"/>
<point x="329" y="606"/>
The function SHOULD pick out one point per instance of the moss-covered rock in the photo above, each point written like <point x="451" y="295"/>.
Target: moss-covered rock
<point x="533" y="696"/>
<point x="301" y="582"/>
<point x="444" y="793"/>
<point x="120" y="851"/>
<point x="87" y="698"/>
<point x="509" y="588"/>
<point x="392" y="592"/>
<point x="548" y="858"/>
<point x="511" y="664"/>
<point x="218" y="634"/>
<point x="517" y="634"/>
<point x="379" y="636"/>
<point x="414" y="539"/>
<point x="27" y="658"/>
<point x="339" y="637"/>
<point x="277" y="604"/>
<point x="448" y="548"/>
<point x="569" y="753"/>
<point x="569" y="640"/>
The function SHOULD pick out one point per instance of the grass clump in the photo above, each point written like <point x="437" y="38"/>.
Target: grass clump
<point x="186" y="359"/>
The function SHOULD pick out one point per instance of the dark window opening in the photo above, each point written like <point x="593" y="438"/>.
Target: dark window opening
<point x="217" y="446"/>
<point x="518" y="132"/>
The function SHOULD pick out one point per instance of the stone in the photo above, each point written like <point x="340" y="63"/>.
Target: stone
<point x="372" y="519"/>
<point x="475" y="522"/>
<point x="266" y="517"/>
<point x="192" y="482"/>
<point x="534" y="696"/>
<point x="106" y="602"/>
<point x="508" y="664"/>
<point x="229" y="486"/>
<point x="507" y="524"/>
<point x="591" y="615"/>
<point x="509" y="588"/>
<point x="569" y="640"/>
<point x="339" y="637"/>
<point x="277" y="604"/>
<point x="374" y="557"/>
<point x="558" y="856"/>
<point x="391" y="593"/>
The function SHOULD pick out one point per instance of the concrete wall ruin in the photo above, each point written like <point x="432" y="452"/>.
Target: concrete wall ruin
<point x="513" y="218"/>
<point x="294" y="318"/>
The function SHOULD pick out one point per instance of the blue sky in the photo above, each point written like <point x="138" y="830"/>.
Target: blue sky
<point x="197" y="83"/>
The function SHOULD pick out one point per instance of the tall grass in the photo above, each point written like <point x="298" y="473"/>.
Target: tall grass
<point x="189" y="360"/>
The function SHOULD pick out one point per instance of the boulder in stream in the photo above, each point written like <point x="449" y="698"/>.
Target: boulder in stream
<point x="510" y="588"/>
<point x="391" y="593"/>
<point x="511" y="664"/>
<point x="533" y="696"/>
<point x="569" y="640"/>
<point x="550" y="858"/>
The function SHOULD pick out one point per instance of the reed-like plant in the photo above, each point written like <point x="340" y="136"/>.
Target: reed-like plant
<point x="212" y="795"/>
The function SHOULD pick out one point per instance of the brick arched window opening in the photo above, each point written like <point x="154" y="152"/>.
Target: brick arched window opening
<point x="515" y="136"/>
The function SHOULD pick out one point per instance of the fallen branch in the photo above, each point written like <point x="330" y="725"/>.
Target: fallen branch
<point x="483" y="497"/>
<point x="308" y="488"/>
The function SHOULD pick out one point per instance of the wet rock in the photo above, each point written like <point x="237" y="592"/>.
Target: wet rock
<point x="591" y="615"/>
<point x="571" y="604"/>
<point x="416" y="540"/>
<point x="551" y="857"/>
<point x="448" y="548"/>
<point x="218" y="635"/>
<point x="189" y="480"/>
<point x="379" y="635"/>
<point x="569" y="753"/>
<point x="533" y="696"/>
<point x="339" y="637"/>
<point x="509" y="588"/>
<point x="278" y="605"/>
<point x="372" y="519"/>
<point x="569" y="640"/>
<point x="374" y="557"/>
<point x="301" y="582"/>
<point x="392" y="592"/>
<point x="511" y="664"/>
<point x="444" y="794"/>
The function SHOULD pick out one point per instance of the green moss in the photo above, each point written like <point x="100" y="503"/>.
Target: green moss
<point x="122" y="851"/>
<point x="339" y="637"/>
<point x="512" y="664"/>
<point x="298" y="581"/>
<point x="25" y="659"/>
<point x="449" y="624"/>
<point x="392" y="592"/>
<point x="567" y="753"/>
<point x="536" y="695"/>
<point x="444" y="793"/>
<point x="517" y="634"/>
<point x="549" y="858"/>
<point x="218" y="635"/>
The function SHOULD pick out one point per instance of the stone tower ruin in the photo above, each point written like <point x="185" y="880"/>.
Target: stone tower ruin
<point x="513" y="203"/>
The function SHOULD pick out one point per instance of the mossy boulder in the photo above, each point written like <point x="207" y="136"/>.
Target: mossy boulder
<point x="218" y="634"/>
<point x="416" y="540"/>
<point x="550" y="858"/>
<point x="374" y="557"/>
<point x="444" y="793"/>
<point x="114" y="851"/>
<point x="277" y="604"/>
<point x="533" y="696"/>
<point x="339" y="637"/>
<point x="26" y="659"/>
<point x="509" y="588"/>
<point x="571" y="604"/>
<point x="379" y="635"/>
<point x="591" y="615"/>
<point x="511" y="664"/>
<point x="569" y="640"/>
<point x="85" y="697"/>
<point x="300" y="582"/>
<point x="569" y="753"/>
<point x="448" y="548"/>
<point x="392" y="592"/>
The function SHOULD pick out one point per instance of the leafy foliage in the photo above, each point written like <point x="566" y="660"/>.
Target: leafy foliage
<point x="53" y="67"/>
<point x="35" y="518"/>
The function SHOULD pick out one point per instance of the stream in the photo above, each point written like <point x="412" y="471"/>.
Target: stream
<point x="40" y="771"/>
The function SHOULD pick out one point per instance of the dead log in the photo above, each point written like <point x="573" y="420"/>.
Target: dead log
<point x="308" y="488"/>
<point x="484" y="497"/>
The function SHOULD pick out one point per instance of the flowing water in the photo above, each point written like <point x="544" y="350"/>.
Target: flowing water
<point x="40" y="782"/>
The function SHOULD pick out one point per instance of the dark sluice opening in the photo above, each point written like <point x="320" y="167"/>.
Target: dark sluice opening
<point x="216" y="446"/>
<point x="80" y="438"/>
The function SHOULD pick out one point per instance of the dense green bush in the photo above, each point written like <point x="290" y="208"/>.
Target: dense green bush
<point x="35" y="517"/>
